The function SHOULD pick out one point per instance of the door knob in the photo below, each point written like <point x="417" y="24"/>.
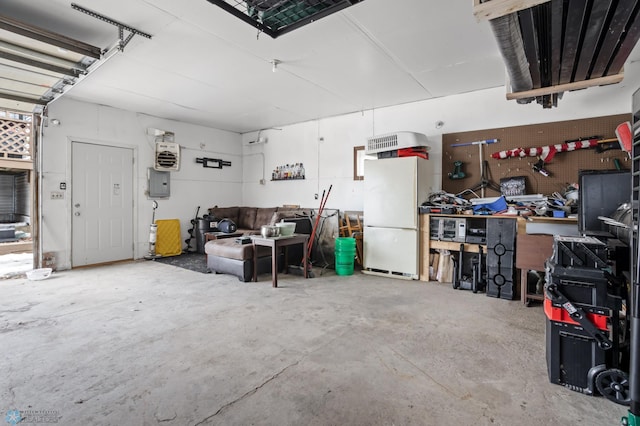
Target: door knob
<point x="77" y="213"/>
<point x="77" y="205"/>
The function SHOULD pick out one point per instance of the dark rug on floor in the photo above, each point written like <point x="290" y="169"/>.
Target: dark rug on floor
<point x="192" y="261"/>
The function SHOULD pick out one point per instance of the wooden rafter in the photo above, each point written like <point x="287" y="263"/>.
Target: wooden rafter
<point x="610" y="79"/>
<point x="497" y="8"/>
<point x="17" y="164"/>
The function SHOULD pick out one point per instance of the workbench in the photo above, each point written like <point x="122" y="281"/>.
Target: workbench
<point x="532" y="250"/>
<point x="427" y="244"/>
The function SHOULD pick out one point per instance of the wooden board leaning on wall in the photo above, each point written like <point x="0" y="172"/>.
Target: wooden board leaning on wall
<point x="563" y="168"/>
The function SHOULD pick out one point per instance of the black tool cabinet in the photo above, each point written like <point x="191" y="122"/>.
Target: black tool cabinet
<point x="634" y="373"/>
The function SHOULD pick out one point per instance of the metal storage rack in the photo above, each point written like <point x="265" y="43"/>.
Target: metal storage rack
<point x="634" y="305"/>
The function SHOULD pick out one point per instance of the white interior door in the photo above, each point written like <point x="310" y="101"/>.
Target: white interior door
<point x="102" y="204"/>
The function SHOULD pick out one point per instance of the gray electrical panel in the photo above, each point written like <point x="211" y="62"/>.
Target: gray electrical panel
<point x="159" y="183"/>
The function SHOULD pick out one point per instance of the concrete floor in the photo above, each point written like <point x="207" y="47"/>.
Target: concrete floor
<point x="146" y="343"/>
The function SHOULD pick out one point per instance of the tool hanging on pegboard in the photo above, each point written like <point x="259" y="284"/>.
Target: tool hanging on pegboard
<point x="546" y="153"/>
<point x="485" y="182"/>
<point x="457" y="171"/>
<point x="480" y="143"/>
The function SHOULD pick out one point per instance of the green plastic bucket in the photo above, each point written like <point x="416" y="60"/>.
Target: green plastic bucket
<point x="345" y="259"/>
<point x="345" y="243"/>
<point x="344" y="269"/>
<point x="345" y="253"/>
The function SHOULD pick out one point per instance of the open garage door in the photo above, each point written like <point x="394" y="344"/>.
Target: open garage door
<point x="36" y="65"/>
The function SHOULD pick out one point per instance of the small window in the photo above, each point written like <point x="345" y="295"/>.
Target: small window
<point x="358" y="162"/>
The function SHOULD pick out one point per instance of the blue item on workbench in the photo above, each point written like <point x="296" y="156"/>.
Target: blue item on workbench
<point x="495" y="206"/>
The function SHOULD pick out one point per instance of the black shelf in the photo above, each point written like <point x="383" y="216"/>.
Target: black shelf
<point x="292" y="178"/>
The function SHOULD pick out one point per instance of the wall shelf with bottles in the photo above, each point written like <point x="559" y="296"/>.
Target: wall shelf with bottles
<point x="288" y="172"/>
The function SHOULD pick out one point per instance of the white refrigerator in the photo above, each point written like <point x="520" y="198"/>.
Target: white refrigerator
<point x="393" y="190"/>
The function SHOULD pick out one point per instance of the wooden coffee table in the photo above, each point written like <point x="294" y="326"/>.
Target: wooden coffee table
<point x="276" y="243"/>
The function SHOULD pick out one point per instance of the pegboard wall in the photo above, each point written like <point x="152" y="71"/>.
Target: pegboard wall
<point x="563" y="167"/>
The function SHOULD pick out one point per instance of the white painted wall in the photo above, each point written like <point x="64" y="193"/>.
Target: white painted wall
<point x="326" y="145"/>
<point x="191" y="186"/>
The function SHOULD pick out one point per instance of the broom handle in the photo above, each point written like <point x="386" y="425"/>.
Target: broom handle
<point x="315" y="226"/>
<point x="323" y="202"/>
<point x="325" y="199"/>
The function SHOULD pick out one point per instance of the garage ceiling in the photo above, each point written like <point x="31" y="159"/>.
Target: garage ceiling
<point x="205" y="66"/>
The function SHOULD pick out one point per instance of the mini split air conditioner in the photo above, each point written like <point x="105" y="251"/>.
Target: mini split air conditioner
<point x="393" y="141"/>
<point x="167" y="157"/>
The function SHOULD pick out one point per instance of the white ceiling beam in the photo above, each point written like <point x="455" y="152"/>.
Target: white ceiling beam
<point x="577" y="85"/>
